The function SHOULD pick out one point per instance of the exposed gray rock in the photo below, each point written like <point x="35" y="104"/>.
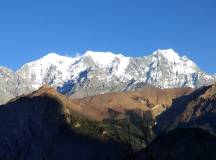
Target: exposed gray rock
<point x="12" y="85"/>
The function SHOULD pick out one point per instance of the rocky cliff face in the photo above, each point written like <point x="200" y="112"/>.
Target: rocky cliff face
<point x="12" y="85"/>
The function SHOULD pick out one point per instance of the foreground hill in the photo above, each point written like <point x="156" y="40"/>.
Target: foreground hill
<point x="181" y="144"/>
<point x="48" y="125"/>
<point x="39" y="127"/>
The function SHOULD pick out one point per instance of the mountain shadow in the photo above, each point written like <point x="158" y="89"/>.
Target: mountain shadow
<point x="38" y="128"/>
<point x="181" y="144"/>
<point x="181" y="113"/>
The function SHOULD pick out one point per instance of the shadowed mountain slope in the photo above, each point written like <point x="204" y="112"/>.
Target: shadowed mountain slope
<point x="181" y="144"/>
<point x="195" y="110"/>
<point x="38" y="127"/>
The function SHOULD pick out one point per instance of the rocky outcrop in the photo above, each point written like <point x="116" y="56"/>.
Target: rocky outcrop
<point x="12" y="85"/>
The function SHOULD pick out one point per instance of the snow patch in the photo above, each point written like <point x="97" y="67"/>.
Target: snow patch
<point x="123" y="63"/>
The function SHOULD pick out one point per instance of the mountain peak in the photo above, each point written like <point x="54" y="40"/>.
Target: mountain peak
<point x="95" y="53"/>
<point x="55" y="56"/>
<point x="51" y="55"/>
<point x="169" y="54"/>
<point x="2" y="68"/>
<point x="103" y="58"/>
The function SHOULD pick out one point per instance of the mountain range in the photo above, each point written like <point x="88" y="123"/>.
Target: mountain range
<point x="101" y="72"/>
<point x="48" y="125"/>
<point x="60" y="107"/>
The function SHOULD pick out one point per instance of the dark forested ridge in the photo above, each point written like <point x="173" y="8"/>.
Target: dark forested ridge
<point x="181" y="144"/>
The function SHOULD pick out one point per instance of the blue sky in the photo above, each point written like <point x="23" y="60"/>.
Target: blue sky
<point x="30" y="29"/>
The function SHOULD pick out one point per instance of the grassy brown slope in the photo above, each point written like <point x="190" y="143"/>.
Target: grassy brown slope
<point x="98" y="107"/>
<point x="154" y="100"/>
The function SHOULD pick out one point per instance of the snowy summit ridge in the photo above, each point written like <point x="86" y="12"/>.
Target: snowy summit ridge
<point x="100" y="72"/>
<point x="164" y="68"/>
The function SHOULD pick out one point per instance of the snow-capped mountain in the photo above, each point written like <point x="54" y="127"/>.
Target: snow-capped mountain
<point x="99" y="72"/>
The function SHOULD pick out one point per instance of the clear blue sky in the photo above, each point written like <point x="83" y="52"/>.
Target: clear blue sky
<point x="31" y="28"/>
